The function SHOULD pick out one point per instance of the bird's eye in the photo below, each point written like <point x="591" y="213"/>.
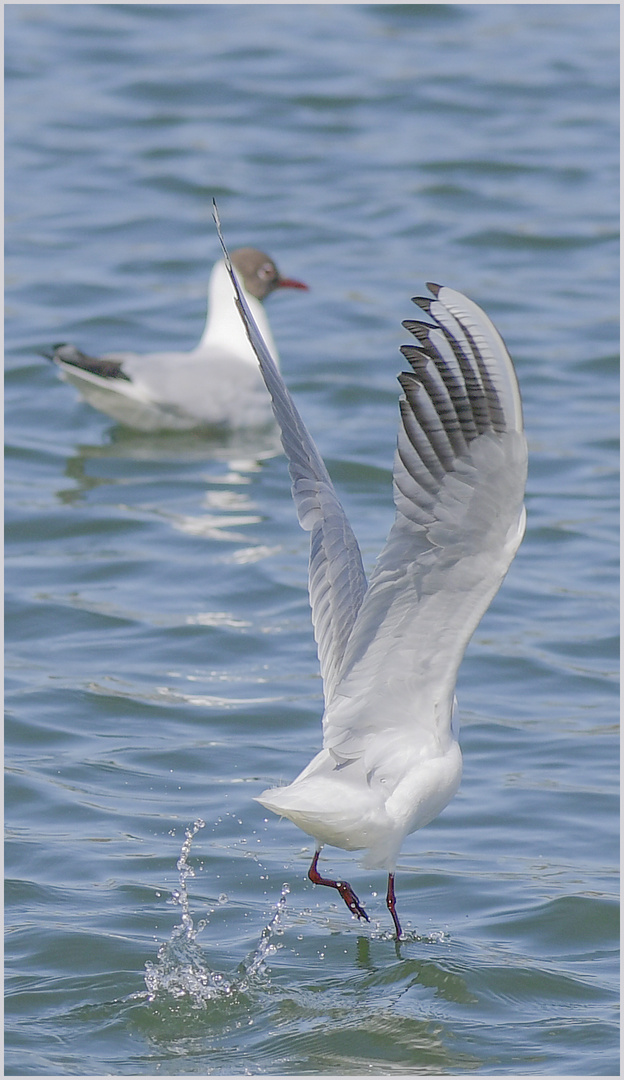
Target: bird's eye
<point x="266" y="271"/>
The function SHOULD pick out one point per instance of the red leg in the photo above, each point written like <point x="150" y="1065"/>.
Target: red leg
<point x="343" y="887"/>
<point x="391" y="902"/>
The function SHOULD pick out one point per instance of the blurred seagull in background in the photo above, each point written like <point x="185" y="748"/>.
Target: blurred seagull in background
<point x="390" y="648"/>
<point x="217" y="384"/>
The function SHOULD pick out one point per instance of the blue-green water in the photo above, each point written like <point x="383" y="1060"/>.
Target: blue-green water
<point x="160" y="661"/>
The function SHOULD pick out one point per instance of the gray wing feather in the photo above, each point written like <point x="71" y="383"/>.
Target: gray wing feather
<point x="337" y="582"/>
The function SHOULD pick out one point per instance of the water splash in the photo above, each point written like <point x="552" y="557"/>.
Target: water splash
<point x="254" y="963"/>
<point x="180" y="896"/>
<point x="181" y="970"/>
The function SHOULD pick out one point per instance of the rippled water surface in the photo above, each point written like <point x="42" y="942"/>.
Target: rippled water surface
<point x="161" y="669"/>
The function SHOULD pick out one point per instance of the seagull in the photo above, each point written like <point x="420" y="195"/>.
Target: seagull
<point x="390" y="648"/>
<point x="217" y="384"/>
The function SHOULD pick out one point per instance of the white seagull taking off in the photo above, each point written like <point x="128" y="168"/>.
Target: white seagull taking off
<point x="390" y="648"/>
<point x="217" y="384"/>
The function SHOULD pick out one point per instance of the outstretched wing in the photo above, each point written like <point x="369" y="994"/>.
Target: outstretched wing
<point x="337" y="581"/>
<point x="459" y="477"/>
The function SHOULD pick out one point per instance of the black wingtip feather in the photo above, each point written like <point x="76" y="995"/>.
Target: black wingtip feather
<point x="433" y="288"/>
<point x="421" y="331"/>
<point x="217" y="221"/>
<point x="417" y="358"/>
<point x="423" y="302"/>
<point x="50" y="353"/>
<point x="408" y="382"/>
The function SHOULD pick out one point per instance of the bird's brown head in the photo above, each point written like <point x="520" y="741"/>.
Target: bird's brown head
<point x="260" y="274"/>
